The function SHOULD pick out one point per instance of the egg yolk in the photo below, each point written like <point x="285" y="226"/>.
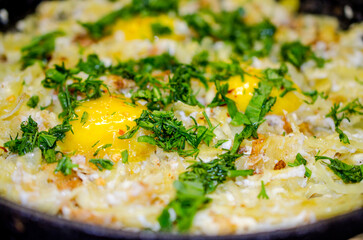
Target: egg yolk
<point x="108" y="118"/>
<point x="242" y="92"/>
<point x="140" y="27"/>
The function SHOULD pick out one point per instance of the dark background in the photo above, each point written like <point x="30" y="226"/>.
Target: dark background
<point x="18" y="9"/>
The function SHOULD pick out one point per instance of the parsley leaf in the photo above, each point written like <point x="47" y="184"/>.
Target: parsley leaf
<point x="65" y="166"/>
<point x="32" y="138"/>
<point x="229" y="26"/>
<point x="158" y="29"/>
<point x="100" y="28"/>
<point x="70" y="93"/>
<point x="102" y="148"/>
<point x="33" y="101"/>
<point x="338" y="113"/>
<point x="192" y="186"/>
<point x="92" y="66"/>
<point x="314" y="96"/>
<point x="102" y="163"/>
<point x="300" y="160"/>
<point x="125" y="156"/>
<point x="348" y="173"/>
<point x="84" y="118"/>
<point x="296" y="53"/>
<point x="170" y="134"/>
<point x="39" y="49"/>
<point x="262" y="193"/>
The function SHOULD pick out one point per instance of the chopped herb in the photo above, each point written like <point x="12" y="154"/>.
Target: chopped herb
<point x="125" y="156"/>
<point x="65" y="166"/>
<point x="240" y="173"/>
<point x="100" y="28"/>
<point x="348" y="173"/>
<point x="33" y="101"/>
<point x="102" y="148"/>
<point x="31" y="138"/>
<point x="192" y="187"/>
<point x="278" y="79"/>
<point x="296" y="53"/>
<point x="314" y="96"/>
<point x="300" y="160"/>
<point x="158" y="29"/>
<point x="170" y="134"/>
<point x="69" y="93"/>
<point x="84" y="118"/>
<point x="95" y="143"/>
<point x="219" y="143"/>
<point x="248" y="40"/>
<point x="102" y="163"/>
<point x="338" y="113"/>
<point x="203" y="178"/>
<point x="39" y="49"/>
<point x="92" y="66"/>
<point x="262" y="193"/>
<point x="201" y="59"/>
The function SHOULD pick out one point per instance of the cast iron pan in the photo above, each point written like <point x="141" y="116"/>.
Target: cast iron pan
<point x="18" y="222"/>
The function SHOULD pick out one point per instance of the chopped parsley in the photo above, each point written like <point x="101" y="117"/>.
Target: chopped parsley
<point x="32" y="138"/>
<point x="125" y="156"/>
<point x="262" y="194"/>
<point x="65" y="166"/>
<point x="348" y="173"/>
<point x="102" y="163"/>
<point x="193" y="186"/>
<point x="159" y="30"/>
<point x="297" y="54"/>
<point x="314" y="96"/>
<point x="203" y="178"/>
<point x="95" y="143"/>
<point x="100" y="28"/>
<point x="33" y="101"/>
<point x="219" y="143"/>
<point x="70" y="95"/>
<point x="84" y="117"/>
<point x="102" y="148"/>
<point x="92" y="66"/>
<point x="338" y="113"/>
<point x="40" y="49"/>
<point x="169" y="133"/>
<point x="300" y="160"/>
<point x="229" y="26"/>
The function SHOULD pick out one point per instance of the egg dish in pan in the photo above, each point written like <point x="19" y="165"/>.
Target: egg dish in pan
<point x="201" y="117"/>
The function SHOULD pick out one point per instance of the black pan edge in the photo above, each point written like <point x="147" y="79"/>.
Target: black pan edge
<point x="19" y="222"/>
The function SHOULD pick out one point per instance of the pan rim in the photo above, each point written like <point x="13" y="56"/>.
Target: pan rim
<point x="350" y="219"/>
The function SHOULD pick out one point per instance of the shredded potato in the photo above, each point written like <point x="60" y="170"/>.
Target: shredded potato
<point x="133" y="193"/>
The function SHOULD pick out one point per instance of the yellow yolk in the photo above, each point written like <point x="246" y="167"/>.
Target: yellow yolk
<point x="242" y="92"/>
<point x="108" y="118"/>
<point x="140" y="27"/>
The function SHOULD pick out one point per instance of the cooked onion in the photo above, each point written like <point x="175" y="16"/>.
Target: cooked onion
<point x="19" y="102"/>
<point x="350" y="188"/>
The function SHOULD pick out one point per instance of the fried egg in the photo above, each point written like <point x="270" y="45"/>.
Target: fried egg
<point x="242" y="91"/>
<point x="108" y="118"/>
<point x="140" y="27"/>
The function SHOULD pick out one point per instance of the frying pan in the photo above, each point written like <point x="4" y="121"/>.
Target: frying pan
<point x="18" y="222"/>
